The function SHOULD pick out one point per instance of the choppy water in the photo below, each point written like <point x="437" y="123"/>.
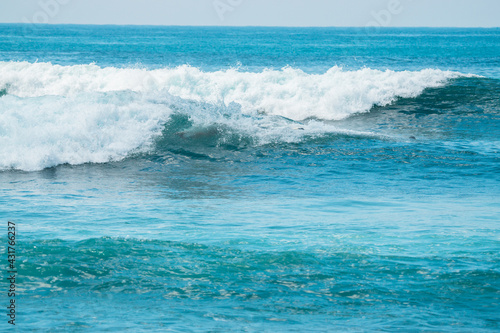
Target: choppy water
<point x="252" y="179"/>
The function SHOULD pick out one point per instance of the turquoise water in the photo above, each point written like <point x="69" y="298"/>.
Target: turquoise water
<point x="251" y="179"/>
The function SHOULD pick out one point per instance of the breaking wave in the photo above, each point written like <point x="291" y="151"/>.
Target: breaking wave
<point x="51" y="114"/>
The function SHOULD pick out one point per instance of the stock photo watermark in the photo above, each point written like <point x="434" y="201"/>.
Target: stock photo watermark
<point x="385" y="16"/>
<point x="11" y="272"/>
<point x="222" y="7"/>
<point x="48" y="10"/>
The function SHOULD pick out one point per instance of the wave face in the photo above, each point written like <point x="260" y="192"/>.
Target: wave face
<point x="52" y="114"/>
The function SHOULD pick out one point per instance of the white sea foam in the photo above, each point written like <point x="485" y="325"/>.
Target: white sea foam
<point x="55" y="114"/>
<point x="289" y="92"/>
<point x="40" y="132"/>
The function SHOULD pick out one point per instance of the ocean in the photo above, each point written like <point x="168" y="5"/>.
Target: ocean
<point x="208" y="179"/>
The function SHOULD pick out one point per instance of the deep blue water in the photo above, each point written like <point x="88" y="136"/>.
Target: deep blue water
<point x="251" y="179"/>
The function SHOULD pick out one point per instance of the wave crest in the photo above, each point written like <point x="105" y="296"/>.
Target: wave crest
<point x="289" y="92"/>
<point x="51" y="114"/>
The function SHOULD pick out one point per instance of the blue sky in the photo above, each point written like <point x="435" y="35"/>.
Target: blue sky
<point x="432" y="13"/>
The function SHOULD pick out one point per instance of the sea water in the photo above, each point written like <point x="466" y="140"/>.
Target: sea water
<point x="195" y="179"/>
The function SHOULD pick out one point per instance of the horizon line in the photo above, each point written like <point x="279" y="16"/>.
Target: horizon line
<point x="252" y="26"/>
